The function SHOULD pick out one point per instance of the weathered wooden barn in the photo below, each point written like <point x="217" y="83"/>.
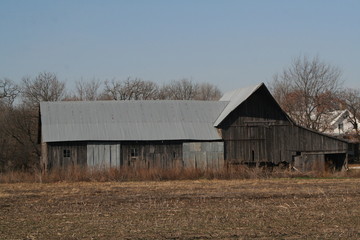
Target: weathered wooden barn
<point x="140" y="134"/>
<point x="245" y="126"/>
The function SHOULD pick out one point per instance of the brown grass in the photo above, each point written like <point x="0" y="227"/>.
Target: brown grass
<point x="80" y="174"/>
<point x="187" y="209"/>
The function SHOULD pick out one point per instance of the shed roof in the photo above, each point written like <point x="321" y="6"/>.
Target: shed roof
<point x="130" y="120"/>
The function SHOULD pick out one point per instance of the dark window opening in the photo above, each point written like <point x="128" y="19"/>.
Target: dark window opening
<point x="134" y="152"/>
<point x="253" y="155"/>
<point x="174" y="154"/>
<point x="66" y="153"/>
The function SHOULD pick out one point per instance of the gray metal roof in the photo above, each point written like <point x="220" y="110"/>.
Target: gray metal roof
<point x="235" y="98"/>
<point x="130" y="120"/>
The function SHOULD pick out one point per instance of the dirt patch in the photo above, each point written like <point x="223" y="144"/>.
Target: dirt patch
<point x="226" y="209"/>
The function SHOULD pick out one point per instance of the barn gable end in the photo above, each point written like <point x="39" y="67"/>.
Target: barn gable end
<point x="257" y="108"/>
<point x="259" y="132"/>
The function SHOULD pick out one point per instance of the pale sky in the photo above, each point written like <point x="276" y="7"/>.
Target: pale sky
<point x="228" y="43"/>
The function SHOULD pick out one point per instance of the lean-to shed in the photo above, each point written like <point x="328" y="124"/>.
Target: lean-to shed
<point x="246" y="126"/>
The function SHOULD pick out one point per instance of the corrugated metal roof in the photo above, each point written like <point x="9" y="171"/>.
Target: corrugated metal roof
<point x="235" y="98"/>
<point x="130" y="120"/>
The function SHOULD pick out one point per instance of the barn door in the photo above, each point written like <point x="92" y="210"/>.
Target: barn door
<point x="102" y="155"/>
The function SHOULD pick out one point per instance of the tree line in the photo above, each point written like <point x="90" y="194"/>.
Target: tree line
<point x="19" y="107"/>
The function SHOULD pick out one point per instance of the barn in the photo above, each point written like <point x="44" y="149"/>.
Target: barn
<point x="246" y="126"/>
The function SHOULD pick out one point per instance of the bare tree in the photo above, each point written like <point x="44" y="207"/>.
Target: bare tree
<point x="8" y="150"/>
<point x="8" y="91"/>
<point x="207" y="91"/>
<point x="113" y="89"/>
<point x="19" y="146"/>
<point x="148" y="90"/>
<point x="87" y="91"/>
<point x="44" y="87"/>
<point x="23" y="120"/>
<point x="137" y="89"/>
<point x="182" y="89"/>
<point x="307" y="91"/>
<point x="131" y="89"/>
<point x="351" y="99"/>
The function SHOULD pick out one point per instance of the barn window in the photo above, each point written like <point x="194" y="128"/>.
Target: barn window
<point x="66" y="153"/>
<point x="134" y="152"/>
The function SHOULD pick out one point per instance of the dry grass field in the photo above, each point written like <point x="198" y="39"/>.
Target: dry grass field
<point x="196" y="209"/>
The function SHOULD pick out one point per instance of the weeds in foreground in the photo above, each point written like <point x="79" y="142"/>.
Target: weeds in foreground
<point x="82" y="174"/>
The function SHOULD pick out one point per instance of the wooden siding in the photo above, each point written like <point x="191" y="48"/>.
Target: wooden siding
<point x="66" y="154"/>
<point x="276" y="143"/>
<point x="253" y="129"/>
<point x="104" y="154"/>
<point x="152" y="155"/>
<point x="259" y="131"/>
<point x="203" y="155"/>
<point x="318" y="161"/>
<point x="165" y="155"/>
<point x="309" y="162"/>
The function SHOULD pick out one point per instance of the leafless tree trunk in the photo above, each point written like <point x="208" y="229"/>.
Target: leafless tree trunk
<point x="307" y="91"/>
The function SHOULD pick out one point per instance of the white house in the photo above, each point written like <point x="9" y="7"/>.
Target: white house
<point x="340" y="122"/>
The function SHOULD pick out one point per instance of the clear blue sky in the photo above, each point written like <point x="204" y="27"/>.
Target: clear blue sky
<point x="228" y="43"/>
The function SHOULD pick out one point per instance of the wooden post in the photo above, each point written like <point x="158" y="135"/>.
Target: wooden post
<point x="345" y="166"/>
<point x="44" y="157"/>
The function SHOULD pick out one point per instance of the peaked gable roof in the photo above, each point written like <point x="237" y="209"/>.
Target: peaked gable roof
<point x="338" y="116"/>
<point x="130" y="120"/>
<point x="238" y="96"/>
<point x="235" y="98"/>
